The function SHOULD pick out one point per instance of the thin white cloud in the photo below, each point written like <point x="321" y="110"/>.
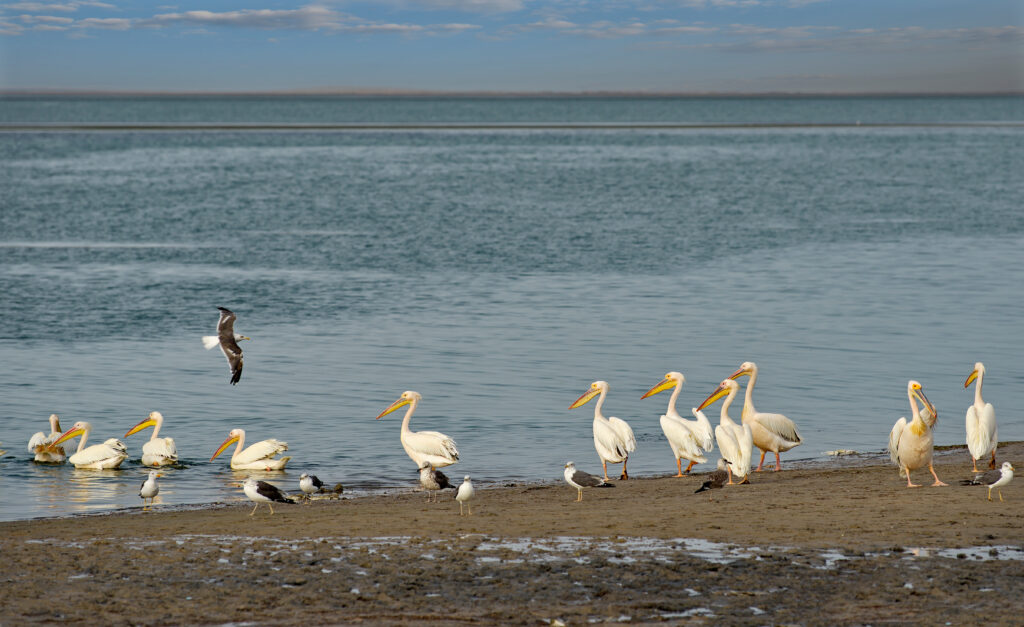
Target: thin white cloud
<point x="305" y="18"/>
<point x="45" y="19"/>
<point x="104" y="23"/>
<point x="474" y="6"/>
<point x="63" y="7"/>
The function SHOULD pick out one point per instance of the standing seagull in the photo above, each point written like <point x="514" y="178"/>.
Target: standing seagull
<point x="982" y="435"/>
<point x="716" y="479"/>
<point x="464" y="494"/>
<point x="433" y="480"/>
<point x="228" y="341"/>
<point x="263" y="492"/>
<point x="613" y="437"/>
<point x="993" y="479"/>
<point x="310" y="484"/>
<point x="579" y="480"/>
<point x="149" y="488"/>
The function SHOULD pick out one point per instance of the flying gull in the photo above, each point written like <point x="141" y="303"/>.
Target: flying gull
<point x="579" y="480"/>
<point x="464" y="494"/>
<point x="433" y="480"/>
<point x="717" y="478"/>
<point x="263" y="492"/>
<point x="228" y="340"/>
<point x="149" y="488"/>
<point x="993" y="479"/>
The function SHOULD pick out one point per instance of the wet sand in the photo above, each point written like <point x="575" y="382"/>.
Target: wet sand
<point x="838" y="542"/>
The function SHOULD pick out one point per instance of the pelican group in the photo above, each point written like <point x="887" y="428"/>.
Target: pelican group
<point x="432" y="447"/>
<point x="259" y="456"/>
<point x="156" y="451"/>
<point x="613" y="437"/>
<point x="911" y="445"/>
<point x="771" y="432"/>
<point x="982" y="435"/>
<point x="735" y="441"/>
<point x="688" y="439"/>
<point x="107" y="455"/>
<point x="41" y="445"/>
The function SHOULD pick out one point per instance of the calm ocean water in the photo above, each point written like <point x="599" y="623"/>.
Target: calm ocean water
<point x="497" y="272"/>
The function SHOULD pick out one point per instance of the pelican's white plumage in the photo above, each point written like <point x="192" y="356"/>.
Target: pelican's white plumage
<point x="772" y="432"/>
<point x="735" y="441"/>
<point x="42" y="444"/>
<point x="982" y="434"/>
<point x="108" y="455"/>
<point x="156" y="451"/>
<point x="688" y="439"/>
<point x="911" y="445"/>
<point x="613" y="437"/>
<point x="259" y="456"/>
<point x="433" y="447"/>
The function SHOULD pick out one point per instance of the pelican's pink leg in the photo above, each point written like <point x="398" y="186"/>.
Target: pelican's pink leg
<point x="937" y="482"/>
<point x="679" y="466"/>
<point x="778" y="462"/>
<point x="624" y="476"/>
<point x="691" y="465"/>
<point x="604" y="465"/>
<point x="762" y="462"/>
<point x="910" y="485"/>
<point x="975" y="463"/>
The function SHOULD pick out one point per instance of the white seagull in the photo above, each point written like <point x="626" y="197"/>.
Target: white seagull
<point x="228" y="341"/>
<point x="772" y="432"/>
<point x="735" y="441"/>
<point x="263" y="492"/>
<point x="110" y="454"/>
<point x="688" y="439"/>
<point x="982" y="435"/>
<point x="432" y="447"/>
<point x="156" y="451"/>
<point x="613" y="437"/>
<point x="579" y="480"/>
<point x="993" y="479"/>
<point x="464" y="494"/>
<point x="149" y="488"/>
<point x="259" y="456"/>
<point x="42" y="445"/>
<point x="911" y="445"/>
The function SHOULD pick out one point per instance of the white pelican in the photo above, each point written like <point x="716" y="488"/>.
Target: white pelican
<point x="716" y="479"/>
<point x="149" y="488"/>
<point x="42" y="446"/>
<point x="735" y="441"/>
<point x="579" y="480"/>
<point x="613" y="438"/>
<point x="772" y="432"/>
<point x="263" y="492"/>
<point x="982" y="435"/>
<point x="228" y="341"/>
<point x="688" y="438"/>
<point x="432" y="447"/>
<point x="110" y="454"/>
<point x="433" y="480"/>
<point x="156" y="451"/>
<point x="259" y="456"/>
<point x="465" y="493"/>
<point x="993" y="479"/>
<point x="911" y="445"/>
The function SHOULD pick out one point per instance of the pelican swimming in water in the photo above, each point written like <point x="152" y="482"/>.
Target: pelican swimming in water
<point x="613" y="437"/>
<point x="432" y="447"/>
<point x="772" y="432"/>
<point x="263" y="492"/>
<point x="149" y="488"/>
<point x="156" y="451"/>
<point x="42" y="445"/>
<point x="259" y="456"/>
<point x="735" y="441"/>
<point x="982" y="435"/>
<point x="108" y="455"/>
<point x="228" y="341"/>
<point x="688" y="438"/>
<point x="911" y="445"/>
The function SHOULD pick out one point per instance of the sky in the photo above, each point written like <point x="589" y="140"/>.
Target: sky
<point x="674" y="46"/>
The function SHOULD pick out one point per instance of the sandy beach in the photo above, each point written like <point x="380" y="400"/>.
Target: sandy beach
<point x="838" y="542"/>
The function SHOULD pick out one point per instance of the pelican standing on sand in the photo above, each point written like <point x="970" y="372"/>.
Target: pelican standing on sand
<point x="579" y="480"/>
<point x="228" y="341"/>
<point x="433" y="480"/>
<point x="993" y="479"/>
<point x="735" y="441"/>
<point x="156" y="451"/>
<point x="263" y="492"/>
<point x="688" y="439"/>
<point x="772" y="432"/>
<point x="911" y="445"/>
<point x="42" y="445"/>
<point x="465" y="493"/>
<point x="432" y="447"/>
<point x="982" y="435"/>
<point x="149" y="488"/>
<point x="108" y="455"/>
<point x="613" y="438"/>
<point x="259" y="456"/>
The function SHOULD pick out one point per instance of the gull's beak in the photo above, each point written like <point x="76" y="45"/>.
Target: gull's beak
<point x="245" y="337"/>
<point x="148" y="422"/>
<point x="971" y="378"/>
<point x="228" y="442"/>
<point x="739" y="373"/>
<point x="402" y="402"/>
<point x="582" y="400"/>
<point x="717" y="394"/>
<point x="666" y="384"/>
<point x="67" y="435"/>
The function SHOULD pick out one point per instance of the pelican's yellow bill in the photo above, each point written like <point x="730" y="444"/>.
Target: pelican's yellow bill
<point x="402" y="402"/>
<point x="717" y="394"/>
<point x="228" y="442"/>
<point x="148" y="422"/>
<point x="582" y="400"/>
<point x="67" y="435"/>
<point x="666" y="384"/>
